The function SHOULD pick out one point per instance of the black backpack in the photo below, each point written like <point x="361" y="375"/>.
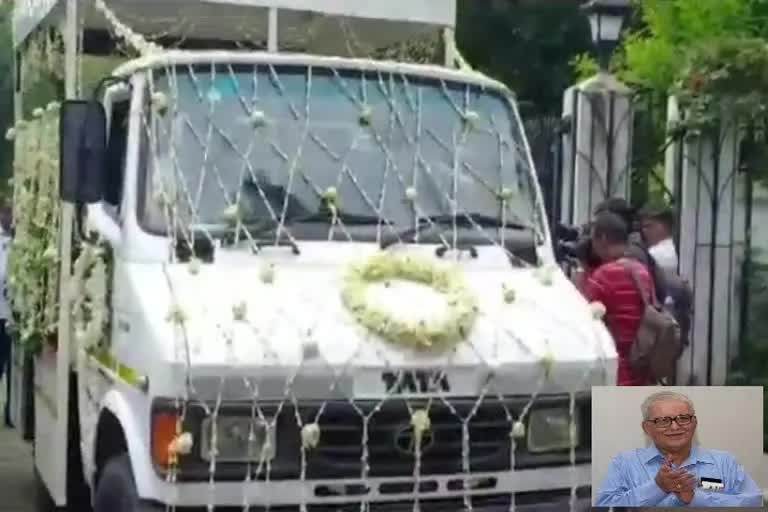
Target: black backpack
<point x="679" y="290"/>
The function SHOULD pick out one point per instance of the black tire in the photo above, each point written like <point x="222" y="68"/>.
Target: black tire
<point x="116" y="490"/>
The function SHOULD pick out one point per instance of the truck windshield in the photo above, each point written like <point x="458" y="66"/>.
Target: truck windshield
<point x="275" y="140"/>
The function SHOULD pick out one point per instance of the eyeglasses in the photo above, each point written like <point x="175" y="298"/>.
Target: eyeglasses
<point x="682" y="420"/>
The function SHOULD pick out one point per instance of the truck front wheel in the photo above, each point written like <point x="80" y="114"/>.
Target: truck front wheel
<point x="116" y="490"/>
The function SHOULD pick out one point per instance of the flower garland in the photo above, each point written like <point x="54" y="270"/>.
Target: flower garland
<point x="33" y="270"/>
<point x="462" y="309"/>
<point x="90" y="290"/>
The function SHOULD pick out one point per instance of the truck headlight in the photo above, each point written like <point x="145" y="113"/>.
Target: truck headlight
<point x="550" y="430"/>
<point x="237" y="439"/>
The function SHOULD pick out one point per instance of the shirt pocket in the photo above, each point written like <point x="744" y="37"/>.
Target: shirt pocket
<point x="710" y="481"/>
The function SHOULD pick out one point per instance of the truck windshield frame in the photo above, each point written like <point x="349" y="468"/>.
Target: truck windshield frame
<point x="298" y="130"/>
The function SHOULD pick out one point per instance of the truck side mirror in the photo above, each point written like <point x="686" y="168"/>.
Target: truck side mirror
<point x="82" y="151"/>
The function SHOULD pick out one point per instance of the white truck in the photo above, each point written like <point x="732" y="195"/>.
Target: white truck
<point x="291" y="278"/>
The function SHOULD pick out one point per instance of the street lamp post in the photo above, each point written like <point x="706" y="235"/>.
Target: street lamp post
<point x="606" y="18"/>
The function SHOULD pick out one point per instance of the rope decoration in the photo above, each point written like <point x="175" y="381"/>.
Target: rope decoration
<point x="292" y="151"/>
<point x="254" y="158"/>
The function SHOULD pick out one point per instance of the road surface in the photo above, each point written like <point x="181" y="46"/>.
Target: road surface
<point x="17" y="489"/>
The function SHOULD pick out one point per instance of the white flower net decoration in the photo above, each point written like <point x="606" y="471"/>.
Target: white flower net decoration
<point x="265" y="162"/>
<point x="237" y="154"/>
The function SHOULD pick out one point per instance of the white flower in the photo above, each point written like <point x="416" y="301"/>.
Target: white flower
<point x="471" y="118"/>
<point x="194" y="266"/>
<point x="267" y="274"/>
<point x="366" y="115"/>
<point x="160" y="102"/>
<point x="10" y="134"/>
<point x="182" y="444"/>
<point x="231" y="214"/>
<point x="421" y="423"/>
<point x="598" y="310"/>
<point x="547" y="361"/>
<point x="310" y="436"/>
<point x="330" y="194"/>
<point x="518" y="430"/>
<point x="176" y="315"/>
<point x="50" y="253"/>
<point x="410" y="193"/>
<point x="53" y="107"/>
<point x="240" y="311"/>
<point x="38" y="112"/>
<point x="545" y="275"/>
<point x="258" y="118"/>
<point x="506" y="193"/>
<point x="509" y="294"/>
<point x="137" y="41"/>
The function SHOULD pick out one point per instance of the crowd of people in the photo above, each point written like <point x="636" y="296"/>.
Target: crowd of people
<point x="628" y="260"/>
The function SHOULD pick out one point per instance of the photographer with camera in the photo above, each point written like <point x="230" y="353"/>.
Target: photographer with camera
<point x="575" y="246"/>
<point x="623" y="286"/>
<point x="577" y="249"/>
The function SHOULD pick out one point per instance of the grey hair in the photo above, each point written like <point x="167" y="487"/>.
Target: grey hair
<point x="662" y="396"/>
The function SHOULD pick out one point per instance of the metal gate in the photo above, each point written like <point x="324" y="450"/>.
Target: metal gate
<point x="641" y="153"/>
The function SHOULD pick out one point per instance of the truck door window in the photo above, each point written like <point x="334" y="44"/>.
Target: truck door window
<point x="116" y="151"/>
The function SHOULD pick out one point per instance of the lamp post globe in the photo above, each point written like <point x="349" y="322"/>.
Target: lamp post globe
<point x="606" y="19"/>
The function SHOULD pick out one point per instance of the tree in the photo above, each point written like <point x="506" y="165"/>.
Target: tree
<point x="526" y="45"/>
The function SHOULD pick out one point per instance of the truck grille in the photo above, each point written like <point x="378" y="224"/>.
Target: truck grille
<point x="390" y="452"/>
<point x="390" y="439"/>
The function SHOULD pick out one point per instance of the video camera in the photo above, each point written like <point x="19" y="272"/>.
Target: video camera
<point x="574" y="246"/>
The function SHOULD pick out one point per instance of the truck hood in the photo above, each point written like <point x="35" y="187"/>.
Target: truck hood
<point x="234" y="318"/>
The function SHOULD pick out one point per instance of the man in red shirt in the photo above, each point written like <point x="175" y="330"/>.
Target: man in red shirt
<point x="611" y="284"/>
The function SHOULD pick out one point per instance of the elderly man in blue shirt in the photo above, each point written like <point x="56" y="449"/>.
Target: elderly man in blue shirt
<point x="673" y="471"/>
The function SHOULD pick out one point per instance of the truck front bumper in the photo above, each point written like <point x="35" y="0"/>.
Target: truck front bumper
<point x="540" y="501"/>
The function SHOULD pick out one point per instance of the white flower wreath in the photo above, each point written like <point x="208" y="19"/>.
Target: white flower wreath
<point x="450" y="330"/>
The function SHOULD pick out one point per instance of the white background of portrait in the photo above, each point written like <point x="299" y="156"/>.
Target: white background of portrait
<point x="730" y="418"/>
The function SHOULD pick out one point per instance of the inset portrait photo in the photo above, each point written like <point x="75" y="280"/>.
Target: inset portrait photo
<point x="674" y="446"/>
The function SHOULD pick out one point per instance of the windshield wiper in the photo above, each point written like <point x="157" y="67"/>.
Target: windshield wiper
<point x="464" y="220"/>
<point x="268" y="227"/>
<point x="244" y="232"/>
<point x="346" y="218"/>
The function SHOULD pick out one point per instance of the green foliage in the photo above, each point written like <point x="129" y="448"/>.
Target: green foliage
<point x="526" y="45"/>
<point x="751" y="367"/>
<point x="728" y="77"/>
<point x="655" y="51"/>
<point x="584" y="66"/>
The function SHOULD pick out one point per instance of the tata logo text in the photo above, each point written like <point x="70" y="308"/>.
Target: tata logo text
<point x="415" y="382"/>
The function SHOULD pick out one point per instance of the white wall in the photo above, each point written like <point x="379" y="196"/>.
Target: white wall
<point x="730" y="418"/>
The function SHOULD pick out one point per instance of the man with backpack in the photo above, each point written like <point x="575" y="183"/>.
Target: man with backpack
<point x="672" y="291"/>
<point x="657" y="226"/>
<point x="636" y="248"/>
<point x="624" y="287"/>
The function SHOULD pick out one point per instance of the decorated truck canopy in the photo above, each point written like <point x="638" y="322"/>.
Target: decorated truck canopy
<point x="332" y="27"/>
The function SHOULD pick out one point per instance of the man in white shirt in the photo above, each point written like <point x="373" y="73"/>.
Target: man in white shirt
<point x="658" y="227"/>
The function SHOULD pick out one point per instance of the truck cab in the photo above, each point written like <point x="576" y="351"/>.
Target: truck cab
<point x="307" y="280"/>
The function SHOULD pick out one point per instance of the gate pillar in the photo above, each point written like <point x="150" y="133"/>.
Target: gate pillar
<point x="597" y="146"/>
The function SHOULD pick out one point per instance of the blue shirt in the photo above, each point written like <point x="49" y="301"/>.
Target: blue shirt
<point x="631" y="481"/>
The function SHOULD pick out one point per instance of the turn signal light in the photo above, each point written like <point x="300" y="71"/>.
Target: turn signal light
<point x="166" y="426"/>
